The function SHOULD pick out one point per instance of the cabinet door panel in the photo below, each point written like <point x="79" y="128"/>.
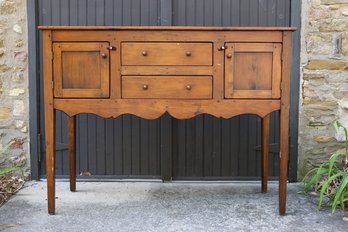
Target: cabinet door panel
<point x="81" y="70"/>
<point x="252" y="70"/>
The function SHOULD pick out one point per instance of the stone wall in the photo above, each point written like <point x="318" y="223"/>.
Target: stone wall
<point x="14" y="116"/>
<point x="324" y="81"/>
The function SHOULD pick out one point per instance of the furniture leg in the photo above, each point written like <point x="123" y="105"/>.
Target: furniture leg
<point x="72" y="151"/>
<point x="50" y="124"/>
<point x="283" y="157"/>
<point x="265" y="124"/>
<point x="284" y="121"/>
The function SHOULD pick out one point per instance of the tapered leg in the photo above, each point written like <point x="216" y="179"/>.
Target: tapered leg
<point x="265" y="150"/>
<point x="284" y="121"/>
<point x="50" y="123"/>
<point x="72" y="152"/>
<point x="283" y="158"/>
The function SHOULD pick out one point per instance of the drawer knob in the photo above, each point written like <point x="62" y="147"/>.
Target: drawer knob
<point x="188" y="53"/>
<point x="144" y="53"/>
<point x="145" y="87"/>
<point x="103" y="55"/>
<point x="221" y="48"/>
<point x="188" y="87"/>
<point x="111" y="48"/>
<point x="229" y="55"/>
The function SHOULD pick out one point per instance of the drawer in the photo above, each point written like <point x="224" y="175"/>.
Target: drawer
<point x="168" y="87"/>
<point x="167" y="53"/>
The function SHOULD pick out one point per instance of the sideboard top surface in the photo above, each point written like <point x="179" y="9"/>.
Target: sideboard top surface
<point x="169" y="28"/>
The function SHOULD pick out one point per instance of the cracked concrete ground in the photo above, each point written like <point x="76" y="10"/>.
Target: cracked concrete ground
<point x="176" y="206"/>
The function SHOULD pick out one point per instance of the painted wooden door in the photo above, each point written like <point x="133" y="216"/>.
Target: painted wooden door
<point x="204" y="147"/>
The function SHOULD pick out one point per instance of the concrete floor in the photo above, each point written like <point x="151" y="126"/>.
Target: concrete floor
<point x="178" y="206"/>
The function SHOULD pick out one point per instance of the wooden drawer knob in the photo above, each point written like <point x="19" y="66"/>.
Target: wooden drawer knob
<point x="103" y="55"/>
<point x="111" y="48"/>
<point x="188" y="53"/>
<point x="222" y="48"/>
<point x="188" y="87"/>
<point x="144" y="53"/>
<point x="145" y="87"/>
<point x="229" y="55"/>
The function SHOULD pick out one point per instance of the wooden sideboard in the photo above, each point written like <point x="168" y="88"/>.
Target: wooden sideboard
<point x="148" y="71"/>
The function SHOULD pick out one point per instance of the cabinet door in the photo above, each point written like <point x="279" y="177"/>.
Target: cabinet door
<point x="252" y="70"/>
<point x="81" y="70"/>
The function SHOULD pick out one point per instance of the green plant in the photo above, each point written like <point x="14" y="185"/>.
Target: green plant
<point x="330" y="179"/>
<point x="10" y="181"/>
<point x="6" y="170"/>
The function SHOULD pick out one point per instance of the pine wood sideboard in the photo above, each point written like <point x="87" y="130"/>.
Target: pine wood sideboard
<point x="148" y="71"/>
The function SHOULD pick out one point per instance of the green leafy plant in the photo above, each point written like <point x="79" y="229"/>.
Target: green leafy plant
<point x="6" y="170"/>
<point x="330" y="179"/>
<point x="10" y="181"/>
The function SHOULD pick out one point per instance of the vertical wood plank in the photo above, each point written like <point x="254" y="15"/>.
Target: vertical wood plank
<point x="100" y="165"/>
<point x="109" y="12"/>
<point x="154" y="149"/>
<point x="199" y="143"/>
<point x="55" y="12"/>
<point x="208" y="147"/>
<point x="127" y="144"/>
<point x="226" y="13"/>
<point x="281" y="15"/>
<point x="135" y="12"/>
<point x="243" y="148"/>
<point x="234" y="146"/>
<point x="144" y="146"/>
<point x="166" y="148"/>
<point x="235" y="13"/>
<point x="118" y="146"/>
<point x="64" y="12"/>
<point x="82" y="13"/>
<point x="251" y="145"/>
<point x="225" y="148"/>
<point x="245" y="13"/>
<point x="190" y="147"/>
<point x="216" y="165"/>
<point x="91" y="13"/>
<point x="208" y="13"/>
<point x="271" y="13"/>
<point x="118" y="12"/>
<point x="190" y="13"/>
<point x="217" y="12"/>
<point x="100" y="13"/>
<point x="199" y="14"/>
<point x="135" y="146"/>
<point x="109" y="162"/>
<point x="166" y="122"/>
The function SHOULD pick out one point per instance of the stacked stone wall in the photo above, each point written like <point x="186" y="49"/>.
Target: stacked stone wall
<point x="324" y="81"/>
<point x="14" y="116"/>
